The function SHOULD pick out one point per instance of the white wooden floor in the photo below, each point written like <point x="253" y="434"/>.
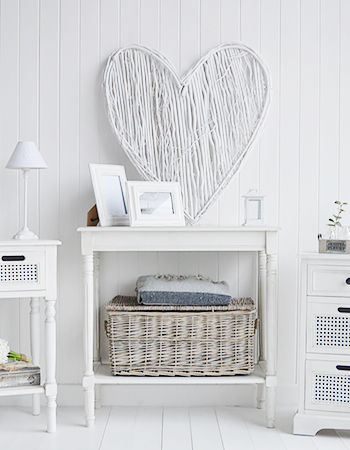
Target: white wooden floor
<point x="220" y="428"/>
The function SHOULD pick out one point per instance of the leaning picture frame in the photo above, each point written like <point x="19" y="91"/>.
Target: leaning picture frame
<point x="153" y="203"/>
<point x="109" y="184"/>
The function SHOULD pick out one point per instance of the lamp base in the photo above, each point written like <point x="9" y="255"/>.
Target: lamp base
<point x="25" y="233"/>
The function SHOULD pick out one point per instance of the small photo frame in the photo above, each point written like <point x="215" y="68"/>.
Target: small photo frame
<point x="109" y="183"/>
<point x="154" y="203"/>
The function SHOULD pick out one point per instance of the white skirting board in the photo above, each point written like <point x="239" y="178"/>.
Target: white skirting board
<point x="72" y="395"/>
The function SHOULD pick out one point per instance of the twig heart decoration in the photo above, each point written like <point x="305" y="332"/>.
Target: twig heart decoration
<point x="195" y="130"/>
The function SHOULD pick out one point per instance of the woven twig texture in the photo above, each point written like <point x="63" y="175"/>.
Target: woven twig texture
<point x="195" y="130"/>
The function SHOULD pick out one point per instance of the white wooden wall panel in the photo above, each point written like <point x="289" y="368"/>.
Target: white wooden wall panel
<point x="71" y="303"/>
<point x="28" y="126"/>
<point x="329" y="109"/>
<point x="169" y="30"/>
<point x="52" y="55"/>
<point x="309" y="125"/>
<point x="344" y="102"/>
<point x="288" y="207"/>
<point x="9" y="181"/>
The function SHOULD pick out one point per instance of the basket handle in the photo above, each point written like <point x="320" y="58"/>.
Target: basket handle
<point x="256" y="325"/>
<point x="107" y="328"/>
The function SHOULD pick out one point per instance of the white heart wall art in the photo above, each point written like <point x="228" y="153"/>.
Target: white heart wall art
<point x="195" y="130"/>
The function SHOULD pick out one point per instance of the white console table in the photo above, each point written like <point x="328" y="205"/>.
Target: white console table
<point x="28" y="269"/>
<point x="196" y="239"/>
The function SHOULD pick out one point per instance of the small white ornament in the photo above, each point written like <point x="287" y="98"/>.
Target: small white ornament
<point x="254" y="208"/>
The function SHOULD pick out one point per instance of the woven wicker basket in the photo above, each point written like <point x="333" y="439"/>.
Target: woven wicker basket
<point x="180" y="340"/>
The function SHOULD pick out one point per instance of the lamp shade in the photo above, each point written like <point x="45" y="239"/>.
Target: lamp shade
<point x="26" y="156"/>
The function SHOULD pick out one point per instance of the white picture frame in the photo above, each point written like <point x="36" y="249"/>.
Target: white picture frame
<point x="109" y="184"/>
<point x="153" y="203"/>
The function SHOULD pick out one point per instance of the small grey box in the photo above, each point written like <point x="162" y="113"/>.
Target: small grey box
<point x="334" y="246"/>
<point x="23" y="375"/>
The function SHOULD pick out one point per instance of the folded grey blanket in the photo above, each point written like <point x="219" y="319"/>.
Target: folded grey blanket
<point x="181" y="290"/>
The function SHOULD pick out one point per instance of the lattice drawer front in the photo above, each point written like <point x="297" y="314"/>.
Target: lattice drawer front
<point x="328" y="328"/>
<point x="331" y="389"/>
<point x="327" y="386"/>
<point x="18" y="273"/>
<point x="22" y="271"/>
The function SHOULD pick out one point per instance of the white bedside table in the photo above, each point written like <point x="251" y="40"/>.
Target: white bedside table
<point x="28" y="269"/>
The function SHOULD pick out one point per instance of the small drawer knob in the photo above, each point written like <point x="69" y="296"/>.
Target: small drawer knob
<point x="347" y="281"/>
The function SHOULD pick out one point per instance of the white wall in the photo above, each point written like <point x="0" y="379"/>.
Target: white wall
<point x="52" y="54"/>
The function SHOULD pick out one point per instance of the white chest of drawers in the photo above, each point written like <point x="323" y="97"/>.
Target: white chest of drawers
<point x="324" y="344"/>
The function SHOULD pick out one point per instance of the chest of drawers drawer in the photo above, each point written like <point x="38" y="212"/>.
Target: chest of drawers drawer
<point x="325" y="280"/>
<point x="328" y="326"/>
<point x="22" y="271"/>
<point x="327" y="385"/>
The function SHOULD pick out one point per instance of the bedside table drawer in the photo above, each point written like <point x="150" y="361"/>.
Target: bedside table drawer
<point x="328" y="328"/>
<point x="22" y="271"/>
<point x="328" y="385"/>
<point x="328" y="280"/>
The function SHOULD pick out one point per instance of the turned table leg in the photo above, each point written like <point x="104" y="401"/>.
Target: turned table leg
<point x="50" y="383"/>
<point x="88" y="379"/>
<point x="271" y="338"/>
<point x="35" y="345"/>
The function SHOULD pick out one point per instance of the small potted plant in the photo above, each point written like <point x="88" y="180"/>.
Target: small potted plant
<point x="335" y="221"/>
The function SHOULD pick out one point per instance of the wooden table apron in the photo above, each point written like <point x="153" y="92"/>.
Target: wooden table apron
<point x="262" y="240"/>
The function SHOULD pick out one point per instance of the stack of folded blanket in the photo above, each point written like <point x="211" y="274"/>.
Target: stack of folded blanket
<point x="181" y="290"/>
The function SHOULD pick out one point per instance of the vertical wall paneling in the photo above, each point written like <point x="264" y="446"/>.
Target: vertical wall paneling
<point x="230" y="31"/>
<point x="250" y="35"/>
<point x="250" y="28"/>
<point x="28" y="95"/>
<point x="71" y="302"/>
<point x="129" y="23"/>
<point x="147" y="263"/>
<point x="210" y="38"/>
<point x="190" y="30"/>
<point x="269" y="141"/>
<point x="309" y="125"/>
<point x="168" y="263"/>
<point x="288" y="189"/>
<point x="28" y="126"/>
<point x="344" y="111"/>
<point x="9" y="45"/>
<point x="48" y="140"/>
<point x="208" y="265"/>
<point x="169" y="30"/>
<point x="90" y="91"/>
<point x="229" y="201"/>
<point x="228" y="271"/>
<point x="149" y="23"/>
<point x="188" y="263"/>
<point x="329" y="110"/>
<point x="109" y="39"/>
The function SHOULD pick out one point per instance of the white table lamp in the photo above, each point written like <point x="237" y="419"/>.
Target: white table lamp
<point x="26" y="156"/>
